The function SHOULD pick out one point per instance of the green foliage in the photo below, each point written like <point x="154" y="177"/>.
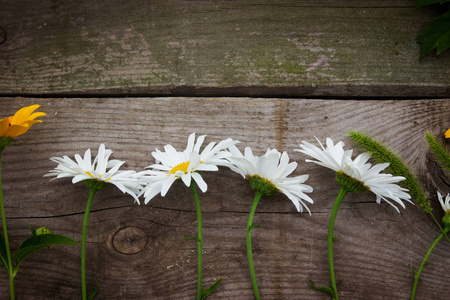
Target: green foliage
<point x="436" y="34"/>
<point x="42" y="230"/>
<point x="192" y="238"/>
<point x="439" y="150"/>
<point x="412" y="269"/>
<point x="3" y="255"/>
<point x="33" y="231"/>
<point x="37" y="242"/>
<point x="396" y="167"/>
<point x="323" y="289"/>
<point x="211" y="289"/>
<point x="446" y="220"/>
<point x="422" y="3"/>
<point x="5" y="141"/>
<point x="39" y="239"/>
<point x="253" y="226"/>
<point x="93" y="292"/>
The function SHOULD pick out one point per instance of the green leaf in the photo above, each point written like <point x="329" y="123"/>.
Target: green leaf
<point x="37" y="242"/>
<point x="33" y="231"/>
<point x="436" y="35"/>
<point x="3" y="255"/>
<point x="334" y="239"/>
<point x="422" y="3"/>
<point x="253" y="226"/>
<point x="191" y="238"/>
<point x="411" y="268"/>
<point x="211" y="289"/>
<point x="323" y="289"/>
<point x="93" y="292"/>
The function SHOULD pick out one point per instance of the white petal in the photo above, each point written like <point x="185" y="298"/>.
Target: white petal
<point x="200" y="182"/>
<point x="190" y="144"/>
<point x="167" y="184"/>
<point x="152" y="191"/>
<point x="186" y="178"/>
<point x="199" y="143"/>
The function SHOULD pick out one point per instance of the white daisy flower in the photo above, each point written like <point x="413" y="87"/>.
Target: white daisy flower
<point x="268" y="174"/>
<point x="172" y="165"/>
<point x="364" y="175"/>
<point x="445" y="204"/>
<point x="101" y="169"/>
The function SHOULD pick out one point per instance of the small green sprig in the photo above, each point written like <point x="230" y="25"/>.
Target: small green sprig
<point x="439" y="150"/>
<point x="40" y="238"/>
<point x="396" y="167"/>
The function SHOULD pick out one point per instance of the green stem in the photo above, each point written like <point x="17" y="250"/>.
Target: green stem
<point x="424" y="261"/>
<point x="342" y="192"/>
<point x="199" y="239"/>
<point x="92" y="192"/>
<point x="251" y="266"/>
<point x="5" y="234"/>
<point x="440" y="227"/>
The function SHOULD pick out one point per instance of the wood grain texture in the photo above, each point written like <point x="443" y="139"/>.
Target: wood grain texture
<point x="139" y="252"/>
<point x="291" y="48"/>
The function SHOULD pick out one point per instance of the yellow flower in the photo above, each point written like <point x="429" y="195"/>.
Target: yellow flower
<point x="447" y="134"/>
<point x="22" y="120"/>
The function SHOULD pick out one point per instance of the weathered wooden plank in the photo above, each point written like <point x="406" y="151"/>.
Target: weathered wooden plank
<point x="139" y="252"/>
<point x="303" y="48"/>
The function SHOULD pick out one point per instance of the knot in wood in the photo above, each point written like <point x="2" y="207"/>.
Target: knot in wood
<point x="130" y="240"/>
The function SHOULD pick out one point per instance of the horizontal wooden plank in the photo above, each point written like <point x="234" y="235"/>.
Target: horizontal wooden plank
<point x="291" y="48"/>
<point x="139" y="252"/>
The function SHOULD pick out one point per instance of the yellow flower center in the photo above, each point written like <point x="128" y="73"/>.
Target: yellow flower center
<point x="99" y="175"/>
<point x="180" y="167"/>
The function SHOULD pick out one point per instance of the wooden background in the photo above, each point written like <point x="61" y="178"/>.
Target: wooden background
<point x="137" y="75"/>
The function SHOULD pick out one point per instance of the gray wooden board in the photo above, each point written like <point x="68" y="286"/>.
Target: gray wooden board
<point x="139" y="252"/>
<point x="231" y="48"/>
